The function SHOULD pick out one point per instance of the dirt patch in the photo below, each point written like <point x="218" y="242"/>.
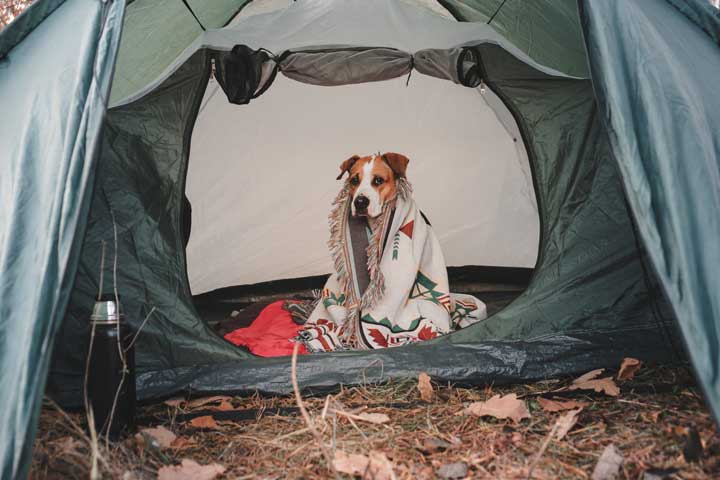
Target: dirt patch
<point x="658" y="424"/>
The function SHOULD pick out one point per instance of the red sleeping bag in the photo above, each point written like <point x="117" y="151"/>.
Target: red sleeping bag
<point x="270" y="333"/>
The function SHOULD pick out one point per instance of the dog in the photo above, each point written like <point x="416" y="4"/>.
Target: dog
<point x="373" y="181"/>
<point x="390" y="285"/>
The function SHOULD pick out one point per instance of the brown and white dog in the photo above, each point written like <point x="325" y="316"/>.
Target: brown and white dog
<point x="373" y="181"/>
<point x="390" y="285"/>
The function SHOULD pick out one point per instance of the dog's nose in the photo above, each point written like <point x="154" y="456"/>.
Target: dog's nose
<point x="361" y="203"/>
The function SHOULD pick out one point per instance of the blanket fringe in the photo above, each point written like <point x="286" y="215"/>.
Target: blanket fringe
<point x="300" y="310"/>
<point x="338" y="221"/>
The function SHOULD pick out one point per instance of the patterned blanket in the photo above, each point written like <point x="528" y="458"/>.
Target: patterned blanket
<point x="390" y="285"/>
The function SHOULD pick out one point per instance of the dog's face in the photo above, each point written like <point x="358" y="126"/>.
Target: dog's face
<point x="373" y="181"/>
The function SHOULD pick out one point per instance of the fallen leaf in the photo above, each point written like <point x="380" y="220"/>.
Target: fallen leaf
<point x="424" y="472"/>
<point x="651" y="417"/>
<point x="190" y="470"/>
<point x="380" y="467"/>
<point x="205" y="421"/>
<point x="350" y="463"/>
<point x="426" y="390"/>
<point x="589" y="375"/>
<point x="453" y="470"/>
<point x="608" y="465"/>
<point x="559" y="405"/>
<point x="432" y="445"/>
<point x="377" y="418"/>
<point x="158" y="437"/>
<point x="207" y="400"/>
<point x="602" y="385"/>
<point x="590" y="382"/>
<point x="224" y="406"/>
<point x="507" y="406"/>
<point x="679" y="430"/>
<point x="566" y="422"/>
<point x="376" y="466"/>
<point x="628" y="368"/>
<point x="181" y="443"/>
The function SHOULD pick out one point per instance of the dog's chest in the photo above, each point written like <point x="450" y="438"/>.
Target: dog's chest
<point x="358" y="230"/>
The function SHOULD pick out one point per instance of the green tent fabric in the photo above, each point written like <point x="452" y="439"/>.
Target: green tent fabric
<point x="55" y="73"/>
<point x="155" y="32"/>
<point x="139" y="187"/>
<point x="547" y="30"/>
<point x="627" y="193"/>
<point x="655" y="66"/>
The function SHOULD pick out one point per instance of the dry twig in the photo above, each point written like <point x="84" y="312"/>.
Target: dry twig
<point x="304" y="412"/>
<point x="540" y="453"/>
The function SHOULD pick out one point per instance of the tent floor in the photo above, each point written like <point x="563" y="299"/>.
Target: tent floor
<point x="227" y="315"/>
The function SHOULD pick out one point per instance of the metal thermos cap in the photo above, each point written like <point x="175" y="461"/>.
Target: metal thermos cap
<point x="106" y="310"/>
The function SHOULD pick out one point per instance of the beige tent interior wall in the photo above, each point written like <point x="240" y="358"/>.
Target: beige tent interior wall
<point x="261" y="177"/>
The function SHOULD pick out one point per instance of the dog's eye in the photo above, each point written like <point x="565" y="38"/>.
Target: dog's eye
<point x="355" y="180"/>
<point x="378" y="181"/>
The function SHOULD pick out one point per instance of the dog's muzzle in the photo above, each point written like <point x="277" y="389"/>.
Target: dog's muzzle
<point x="361" y="204"/>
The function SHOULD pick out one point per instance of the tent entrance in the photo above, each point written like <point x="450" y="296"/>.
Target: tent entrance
<point x="261" y="180"/>
<point x="586" y="305"/>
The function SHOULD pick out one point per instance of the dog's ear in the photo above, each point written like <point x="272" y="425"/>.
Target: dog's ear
<point x="347" y="165"/>
<point x="398" y="162"/>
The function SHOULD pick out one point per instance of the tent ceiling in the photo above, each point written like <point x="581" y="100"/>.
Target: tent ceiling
<point x="546" y="30"/>
<point x="157" y="32"/>
<point x="395" y="24"/>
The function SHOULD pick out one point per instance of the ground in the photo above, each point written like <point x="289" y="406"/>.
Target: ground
<point x="658" y="423"/>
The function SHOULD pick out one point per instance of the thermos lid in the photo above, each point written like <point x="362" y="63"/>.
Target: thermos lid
<point x="107" y="310"/>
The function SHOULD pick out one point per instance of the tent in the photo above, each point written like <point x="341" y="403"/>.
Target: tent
<point x="605" y="109"/>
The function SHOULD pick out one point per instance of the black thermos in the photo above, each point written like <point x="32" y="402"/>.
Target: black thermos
<point x="107" y="384"/>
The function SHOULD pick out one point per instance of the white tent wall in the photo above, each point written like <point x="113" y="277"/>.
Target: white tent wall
<point x="261" y="177"/>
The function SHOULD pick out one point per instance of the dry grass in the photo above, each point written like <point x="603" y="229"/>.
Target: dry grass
<point x="649" y="423"/>
<point x="10" y="9"/>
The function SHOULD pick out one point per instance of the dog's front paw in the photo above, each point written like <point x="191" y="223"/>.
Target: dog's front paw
<point x="338" y="313"/>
